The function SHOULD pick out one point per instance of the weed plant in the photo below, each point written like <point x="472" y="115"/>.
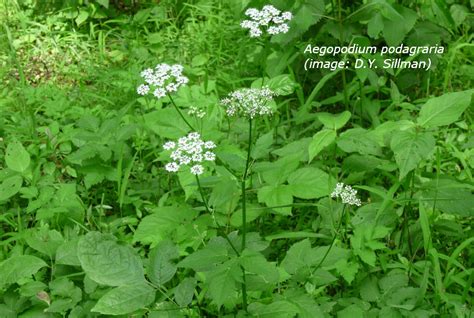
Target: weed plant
<point x="226" y="180"/>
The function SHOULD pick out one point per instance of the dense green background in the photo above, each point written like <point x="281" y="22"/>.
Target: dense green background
<point x="91" y="224"/>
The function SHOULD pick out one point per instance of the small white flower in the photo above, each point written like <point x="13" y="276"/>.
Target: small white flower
<point x="347" y="194"/>
<point x="197" y="170"/>
<point x="197" y="157"/>
<point x="169" y="145"/>
<point x="209" y="156"/>
<point x="159" y="92"/>
<point x="184" y="160"/>
<point x="143" y="89"/>
<point x="172" y="167"/>
<point x="269" y="18"/>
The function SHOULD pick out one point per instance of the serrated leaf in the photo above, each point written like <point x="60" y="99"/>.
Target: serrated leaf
<point x="334" y="121"/>
<point x="445" y="109"/>
<point x="310" y="183"/>
<point x="161" y="267"/>
<point x="16" y="157"/>
<point x="282" y="85"/>
<point x="207" y="258"/>
<point x="321" y="140"/>
<point x="125" y="299"/>
<point x="255" y="263"/>
<point x="162" y="223"/>
<point x="274" y="196"/>
<point x="18" y="267"/>
<point x="10" y="186"/>
<point x="66" y="254"/>
<point x="410" y="148"/>
<point x="276" y="309"/>
<point x="108" y="263"/>
<point x="223" y="283"/>
<point x="184" y="292"/>
<point x="359" y="140"/>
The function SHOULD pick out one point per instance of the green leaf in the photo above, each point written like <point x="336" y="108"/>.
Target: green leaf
<point x="161" y="267"/>
<point x="108" y="263"/>
<point x="321" y="140"/>
<point x="19" y="267"/>
<point x="276" y="309"/>
<point x="282" y="84"/>
<point x="410" y="148"/>
<point x="445" y="109"/>
<point x="16" y="157"/>
<point x="104" y="3"/>
<point x="207" y="258"/>
<point x="184" y="292"/>
<point x="359" y="140"/>
<point x="82" y="17"/>
<point x="449" y="196"/>
<point x="310" y="183"/>
<point x="223" y="283"/>
<point x="396" y="28"/>
<point x="66" y="254"/>
<point x="165" y="123"/>
<point x="255" y="263"/>
<point x="334" y="121"/>
<point x="9" y="187"/>
<point x="125" y="299"/>
<point x="44" y="240"/>
<point x="162" y="223"/>
<point x="274" y="196"/>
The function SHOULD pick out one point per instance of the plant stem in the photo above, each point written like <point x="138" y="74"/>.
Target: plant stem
<point x="333" y="239"/>
<point x="244" y="179"/>
<point x="215" y="220"/>
<point x="244" y="214"/>
<point x="180" y="113"/>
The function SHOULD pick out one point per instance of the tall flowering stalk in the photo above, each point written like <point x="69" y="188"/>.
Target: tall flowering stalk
<point x="348" y="196"/>
<point x="248" y="103"/>
<point x="194" y="153"/>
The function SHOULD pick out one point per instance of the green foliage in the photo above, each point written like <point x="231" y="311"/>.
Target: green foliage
<point x="93" y="225"/>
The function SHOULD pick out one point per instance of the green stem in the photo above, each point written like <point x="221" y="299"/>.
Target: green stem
<point x="180" y="113"/>
<point x="244" y="179"/>
<point x="333" y="239"/>
<point x="244" y="213"/>
<point x="211" y="213"/>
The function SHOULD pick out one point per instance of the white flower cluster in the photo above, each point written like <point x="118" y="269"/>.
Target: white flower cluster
<point x="194" y="111"/>
<point x="163" y="79"/>
<point x="347" y="194"/>
<point x="249" y="102"/>
<point x="270" y="17"/>
<point x="190" y="150"/>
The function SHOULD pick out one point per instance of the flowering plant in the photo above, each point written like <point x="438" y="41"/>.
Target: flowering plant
<point x="190" y="150"/>
<point x="249" y="102"/>
<point x="161" y="80"/>
<point x="269" y="18"/>
<point x="347" y="194"/>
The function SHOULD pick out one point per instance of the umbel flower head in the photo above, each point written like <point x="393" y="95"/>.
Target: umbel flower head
<point x="190" y="151"/>
<point x="162" y="79"/>
<point x="269" y="18"/>
<point x="249" y="102"/>
<point x="347" y="194"/>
